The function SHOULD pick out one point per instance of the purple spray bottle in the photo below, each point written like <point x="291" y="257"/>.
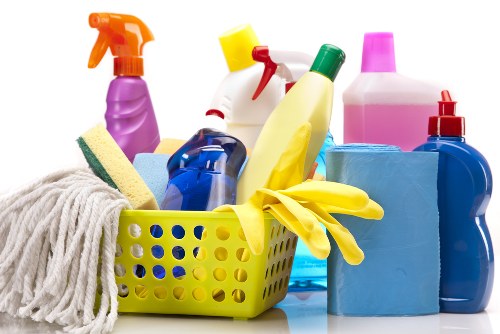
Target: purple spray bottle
<point x="130" y="116"/>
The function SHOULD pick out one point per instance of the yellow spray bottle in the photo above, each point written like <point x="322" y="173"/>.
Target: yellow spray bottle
<point x="309" y="100"/>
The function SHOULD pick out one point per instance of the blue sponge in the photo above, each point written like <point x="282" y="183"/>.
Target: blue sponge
<point x="152" y="167"/>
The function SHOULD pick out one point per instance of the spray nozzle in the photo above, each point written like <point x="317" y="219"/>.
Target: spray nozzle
<point x="446" y="105"/>
<point x="261" y="54"/>
<point x="275" y="62"/>
<point x="125" y="35"/>
<point x="446" y="124"/>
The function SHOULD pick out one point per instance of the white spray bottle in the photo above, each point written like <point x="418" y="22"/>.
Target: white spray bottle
<point x="246" y="109"/>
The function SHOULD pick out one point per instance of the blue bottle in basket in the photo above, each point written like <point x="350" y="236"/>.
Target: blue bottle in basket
<point x="464" y="191"/>
<point x="308" y="272"/>
<point x="204" y="171"/>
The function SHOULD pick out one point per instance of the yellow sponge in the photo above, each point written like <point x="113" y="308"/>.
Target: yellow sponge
<point x="169" y="146"/>
<point x="108" y="162"/>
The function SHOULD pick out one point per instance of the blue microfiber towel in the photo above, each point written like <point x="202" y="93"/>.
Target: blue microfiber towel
<point x="152" y="167"/>
<point x="400" y="273"/>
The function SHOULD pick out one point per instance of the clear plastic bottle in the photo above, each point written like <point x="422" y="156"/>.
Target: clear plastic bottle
<point x="203" y="172"/>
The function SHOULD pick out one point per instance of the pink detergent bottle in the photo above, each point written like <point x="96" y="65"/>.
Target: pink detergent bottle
<point x="130" y="117"/>
<point x="382" y="106"/>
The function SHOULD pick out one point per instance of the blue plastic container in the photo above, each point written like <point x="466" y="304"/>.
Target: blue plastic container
<point x="464" y="191"/>
<point x="203" y="172"/>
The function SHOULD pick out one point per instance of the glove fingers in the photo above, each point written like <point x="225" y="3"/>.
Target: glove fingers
<point x="315" y="239"/>
<point x="371" y="211"/>
<point x="295" y="208"/>
<point x="334" y="193"/>
<point x="344" y="239"/>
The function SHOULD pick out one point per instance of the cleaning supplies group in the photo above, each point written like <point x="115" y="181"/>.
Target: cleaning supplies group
<point x="383" y="107"/>
<point x="276" y="105"/>
<point x="284" y="133"/>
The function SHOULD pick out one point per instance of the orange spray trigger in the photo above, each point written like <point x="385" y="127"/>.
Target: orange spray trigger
<point x="261" y="54"/>
<point x="125" y="35"/>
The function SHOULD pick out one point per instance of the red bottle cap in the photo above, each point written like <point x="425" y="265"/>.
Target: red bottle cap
<point x="215" y="112"/>
<point x="446" y="124"/>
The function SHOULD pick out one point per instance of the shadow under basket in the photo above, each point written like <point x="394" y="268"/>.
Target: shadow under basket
<point x="199" y="263"/>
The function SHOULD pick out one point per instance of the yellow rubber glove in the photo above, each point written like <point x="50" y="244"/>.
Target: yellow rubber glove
<point x="303" y="206"/>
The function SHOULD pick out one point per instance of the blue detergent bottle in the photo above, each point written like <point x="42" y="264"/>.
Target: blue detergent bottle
<point x="204" y="171"/>
<point x="464" y="191"/>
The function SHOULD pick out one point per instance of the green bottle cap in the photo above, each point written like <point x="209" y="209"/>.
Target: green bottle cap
<point x="328" y="61"/>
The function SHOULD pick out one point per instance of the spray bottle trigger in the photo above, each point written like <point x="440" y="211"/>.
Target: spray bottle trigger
<point x="261" y="54"/>
<point x="99" y="49"/>
<point x="125" y="36"/>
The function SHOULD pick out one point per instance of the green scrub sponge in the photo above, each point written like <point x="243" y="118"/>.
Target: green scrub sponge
<point x="110" y="164"/>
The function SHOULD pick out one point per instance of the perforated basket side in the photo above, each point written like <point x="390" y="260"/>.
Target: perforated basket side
<point x="280" y="254"/>
<point x="198" y="263"/>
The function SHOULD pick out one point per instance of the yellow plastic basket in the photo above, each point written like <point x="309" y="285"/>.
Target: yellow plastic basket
<point x="200" y="265"/>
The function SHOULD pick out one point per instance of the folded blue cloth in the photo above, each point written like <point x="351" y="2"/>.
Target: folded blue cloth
<point x="400" y="273"/>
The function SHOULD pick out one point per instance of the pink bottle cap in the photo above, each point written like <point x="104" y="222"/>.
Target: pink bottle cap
<point x="378" y="52"/>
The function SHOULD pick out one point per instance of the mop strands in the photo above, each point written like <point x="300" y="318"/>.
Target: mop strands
<point x="57" y="235"/>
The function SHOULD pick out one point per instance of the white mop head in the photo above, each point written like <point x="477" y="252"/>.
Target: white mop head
<point x="56" y="236"/>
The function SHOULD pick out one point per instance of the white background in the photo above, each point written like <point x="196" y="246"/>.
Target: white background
<point x="48" y="96"/>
